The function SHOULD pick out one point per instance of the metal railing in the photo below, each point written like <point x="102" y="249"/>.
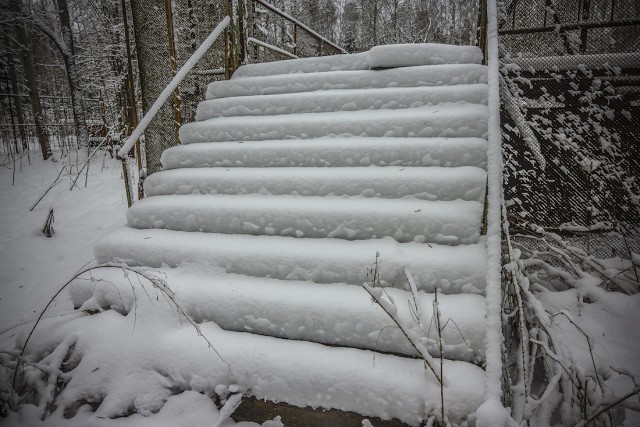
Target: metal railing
<point x="260" y="32"/>
<point x="164" y="96"/>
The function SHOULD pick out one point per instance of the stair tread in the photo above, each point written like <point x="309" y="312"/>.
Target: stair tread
<point x="428" y="183"/>
<point x="330" y="152"/>
<point x="444" y="222"/>
<point x="414" y="54"/>
<point x="452" y="269"/>
<point x="350" y="62"/>
<point x="427" y="75"/>
<point x="399" y="55"/>
<point x="444" y="120"/>
<point x="333" y="314"/>
<point x="341" y="100"/>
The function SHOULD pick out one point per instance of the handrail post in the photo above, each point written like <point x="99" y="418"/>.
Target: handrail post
<point x="295" y="39"/>
<point x="174" y="66"/>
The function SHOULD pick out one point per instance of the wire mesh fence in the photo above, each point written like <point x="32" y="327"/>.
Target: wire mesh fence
<point x="259" y="33"/>
<point x="571" y="119"/>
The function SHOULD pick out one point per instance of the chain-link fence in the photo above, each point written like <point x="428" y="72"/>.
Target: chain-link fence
<point x="571" y="119"/>
<point x="259" y="33"/>
<point x="273" y="35"/>
<point x="186" y="23"/>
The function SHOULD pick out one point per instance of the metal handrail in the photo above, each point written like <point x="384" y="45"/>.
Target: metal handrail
<point x="173" y="84"/>
<point x="272" y="47"/>
<point x="290" y="18"/>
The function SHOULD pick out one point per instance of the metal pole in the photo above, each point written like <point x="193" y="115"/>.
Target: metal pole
<point x="174" y="66"/>
<point x="130" y="84"/>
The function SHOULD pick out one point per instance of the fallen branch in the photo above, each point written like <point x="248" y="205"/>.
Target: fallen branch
<point x="611" y="405"/>
<point x="53" y="184"/>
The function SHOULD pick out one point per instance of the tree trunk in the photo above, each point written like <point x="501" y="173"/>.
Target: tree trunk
<point x="14" y="90"/>
<point x="32" y="83"/>
<point x="77" y="103"/>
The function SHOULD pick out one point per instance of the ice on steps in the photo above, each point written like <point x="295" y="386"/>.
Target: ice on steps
<point x="443" y="120"/>
<point x="330" y="152"/>
<point x="334" y="314"/>
<point x="355" y="61"/>
<point x="442" y="222"/>
<point x="428" y="75"/>
<point x="441" y="183"/>
<point x="407" y="55"/>
<point x="452" y="269"/>
<point x="341" y="100"/>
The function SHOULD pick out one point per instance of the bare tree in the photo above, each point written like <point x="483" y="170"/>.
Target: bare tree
<point x="23" y="42"/>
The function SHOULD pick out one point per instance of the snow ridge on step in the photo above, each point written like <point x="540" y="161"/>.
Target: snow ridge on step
<point x="341" y="100"/>
<point x="350" y="62"/>
<point x="443" y="120"/>
<point x="452" y="269"/>
<point x="465" y="182"/>
<point x="428" y="75"/>
<point x="330" y="152"/>
<point x="334" y="314"/>
<point x="442" y="222"/>
<point x="398" y="55"/>
<point x="407" y="55"/>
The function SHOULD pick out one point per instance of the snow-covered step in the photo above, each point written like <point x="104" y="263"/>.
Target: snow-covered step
<point x="341" y="100"/>
<point x="442" y="222"/>
<point x="334" y="314"/>
<point x="407" y="55"/>
<point x="427" y="183"/>
<point x="442" y="120"/>
<point x="402" y="55"/>
<point x="300" y="373"/>
<point x="452" y="269"/>
<point x="351" y="62"/>
<point x="330" y="152"/>
<point x="427" y="75"/>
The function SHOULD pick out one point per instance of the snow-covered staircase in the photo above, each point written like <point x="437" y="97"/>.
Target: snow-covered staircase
<point x="297" y="177"/>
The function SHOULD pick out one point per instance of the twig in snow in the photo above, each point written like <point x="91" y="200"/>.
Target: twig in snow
<point x="55" y="181"/>
<point x="228" y="408"/>
<point x="611" y="405"/>
<point x="390" y="308"/>
<point x="155" y="282"/>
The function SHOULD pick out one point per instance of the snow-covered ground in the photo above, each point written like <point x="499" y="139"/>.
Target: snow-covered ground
<point x="33" y="268"/>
